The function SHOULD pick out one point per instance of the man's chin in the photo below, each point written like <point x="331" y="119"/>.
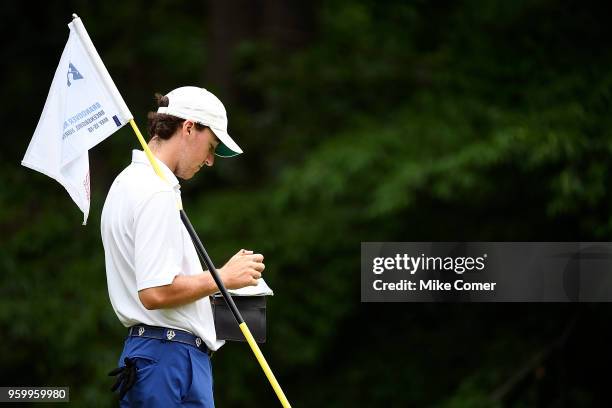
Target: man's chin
<point x="186" y="176"/>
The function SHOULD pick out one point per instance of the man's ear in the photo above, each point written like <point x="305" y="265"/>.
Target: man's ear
<point x="187" y="125"/>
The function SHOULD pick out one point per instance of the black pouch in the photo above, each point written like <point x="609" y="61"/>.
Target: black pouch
<point x="253" y="311"/>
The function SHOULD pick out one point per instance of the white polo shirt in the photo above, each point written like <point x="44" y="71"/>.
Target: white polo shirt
<point x="147" y="245"/>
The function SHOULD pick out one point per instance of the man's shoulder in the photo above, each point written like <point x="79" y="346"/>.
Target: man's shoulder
<point x="138" y="182"/>
<point x="131" y="190"/>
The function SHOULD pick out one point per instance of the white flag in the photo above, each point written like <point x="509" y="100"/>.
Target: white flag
<point x="83" y="108"/>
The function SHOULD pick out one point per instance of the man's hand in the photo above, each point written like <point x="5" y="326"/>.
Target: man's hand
<point x="243" y="269"/>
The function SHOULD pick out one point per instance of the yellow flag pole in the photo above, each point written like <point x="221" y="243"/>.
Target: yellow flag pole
<point x="228" y="298"/>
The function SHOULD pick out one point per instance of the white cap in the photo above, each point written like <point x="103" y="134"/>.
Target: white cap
<point x="201" y="106"/>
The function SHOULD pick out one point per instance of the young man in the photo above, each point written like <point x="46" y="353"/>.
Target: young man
<point x="155" y="281"/>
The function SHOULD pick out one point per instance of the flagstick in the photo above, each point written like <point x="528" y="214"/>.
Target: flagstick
<point x="203" y="255"/>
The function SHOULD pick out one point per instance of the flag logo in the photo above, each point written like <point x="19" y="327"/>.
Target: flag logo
<point x="74" y="72"/>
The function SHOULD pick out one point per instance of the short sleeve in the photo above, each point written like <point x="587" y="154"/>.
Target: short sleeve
<point x="158" y="241"/>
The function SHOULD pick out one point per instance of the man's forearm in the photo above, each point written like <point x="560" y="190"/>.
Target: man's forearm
<point x="183" y="290"/>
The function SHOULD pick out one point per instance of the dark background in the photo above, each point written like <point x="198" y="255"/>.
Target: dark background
<point x="361" y="121"/>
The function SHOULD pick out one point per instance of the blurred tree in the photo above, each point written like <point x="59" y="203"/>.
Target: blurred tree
<point x="361" y="121"/>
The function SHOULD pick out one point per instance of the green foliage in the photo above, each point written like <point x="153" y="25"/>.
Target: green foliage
<point x="408" y="121"/>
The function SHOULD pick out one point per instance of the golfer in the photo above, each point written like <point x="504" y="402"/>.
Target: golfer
<point x="155" y="281"/>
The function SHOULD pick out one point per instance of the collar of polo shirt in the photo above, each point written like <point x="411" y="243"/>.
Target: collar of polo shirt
<point x="138" y="156"/>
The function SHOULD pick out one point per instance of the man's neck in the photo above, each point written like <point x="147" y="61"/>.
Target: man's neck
<point x="166" y="151"/>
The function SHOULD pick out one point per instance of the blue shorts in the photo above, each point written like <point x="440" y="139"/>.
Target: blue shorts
<point x="170" y="374"/>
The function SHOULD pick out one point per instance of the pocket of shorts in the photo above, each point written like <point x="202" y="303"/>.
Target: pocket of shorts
<point x="144" y="362"/>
